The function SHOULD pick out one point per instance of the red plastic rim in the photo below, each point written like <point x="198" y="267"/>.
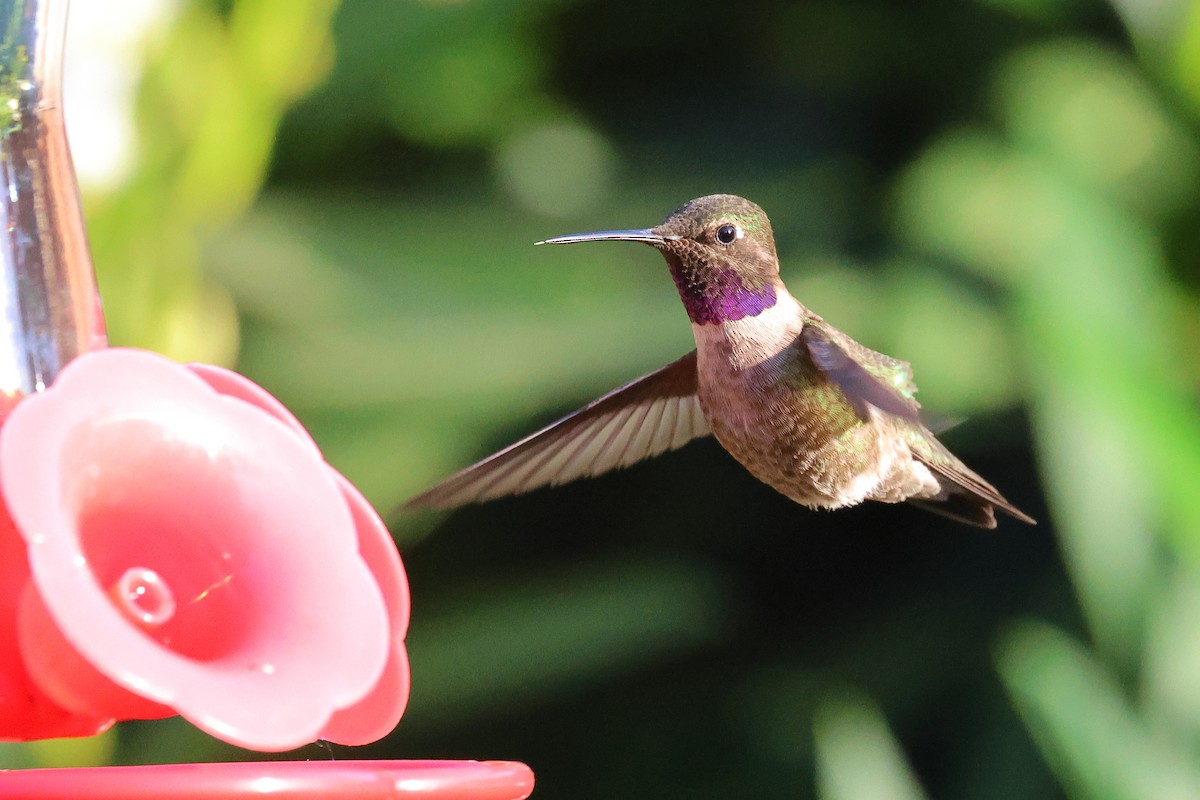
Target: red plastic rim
<point x="279" y="780"/>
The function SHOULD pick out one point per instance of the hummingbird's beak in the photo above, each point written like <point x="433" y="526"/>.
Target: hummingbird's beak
<point x="646" y="235"/>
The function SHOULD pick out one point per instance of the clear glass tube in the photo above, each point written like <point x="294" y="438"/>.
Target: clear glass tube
<point x="49" y="305"/>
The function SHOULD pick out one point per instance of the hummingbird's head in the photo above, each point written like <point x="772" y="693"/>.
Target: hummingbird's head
<point x="721" y="253"/>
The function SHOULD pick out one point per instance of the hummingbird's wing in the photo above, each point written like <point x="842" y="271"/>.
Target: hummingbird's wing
<point x="653" y="414"/>
<point x="866" y="378"/>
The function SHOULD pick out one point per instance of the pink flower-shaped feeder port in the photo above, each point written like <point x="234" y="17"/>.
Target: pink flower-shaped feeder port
<point x="190" y="552"/>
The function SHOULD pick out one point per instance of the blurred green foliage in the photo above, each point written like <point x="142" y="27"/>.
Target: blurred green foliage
<point x="1003" y="192"/>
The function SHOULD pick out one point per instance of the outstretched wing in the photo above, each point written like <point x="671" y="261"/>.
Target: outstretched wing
<point x="653" y="414"/>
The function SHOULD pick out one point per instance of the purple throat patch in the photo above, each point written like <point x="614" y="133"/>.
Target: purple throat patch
<point x="724" y="298"/>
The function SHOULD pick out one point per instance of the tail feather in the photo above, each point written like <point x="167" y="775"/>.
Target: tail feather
<point x="965" y="496"/>
<point x="961" y="507"/>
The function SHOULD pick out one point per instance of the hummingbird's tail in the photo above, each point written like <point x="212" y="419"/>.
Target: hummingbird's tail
<point x="965" y="496"/>
<point x="961" y="508"/>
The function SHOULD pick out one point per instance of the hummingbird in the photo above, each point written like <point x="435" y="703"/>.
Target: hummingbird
<point x="807" y="410"/>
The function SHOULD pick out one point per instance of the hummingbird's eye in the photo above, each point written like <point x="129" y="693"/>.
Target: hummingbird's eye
<point x="727" y="234"/>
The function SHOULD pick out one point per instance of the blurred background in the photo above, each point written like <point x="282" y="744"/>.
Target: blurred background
<point x="340" y="200"/>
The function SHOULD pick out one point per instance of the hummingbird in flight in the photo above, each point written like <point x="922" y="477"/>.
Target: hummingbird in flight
<point x="806" y="409"/>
